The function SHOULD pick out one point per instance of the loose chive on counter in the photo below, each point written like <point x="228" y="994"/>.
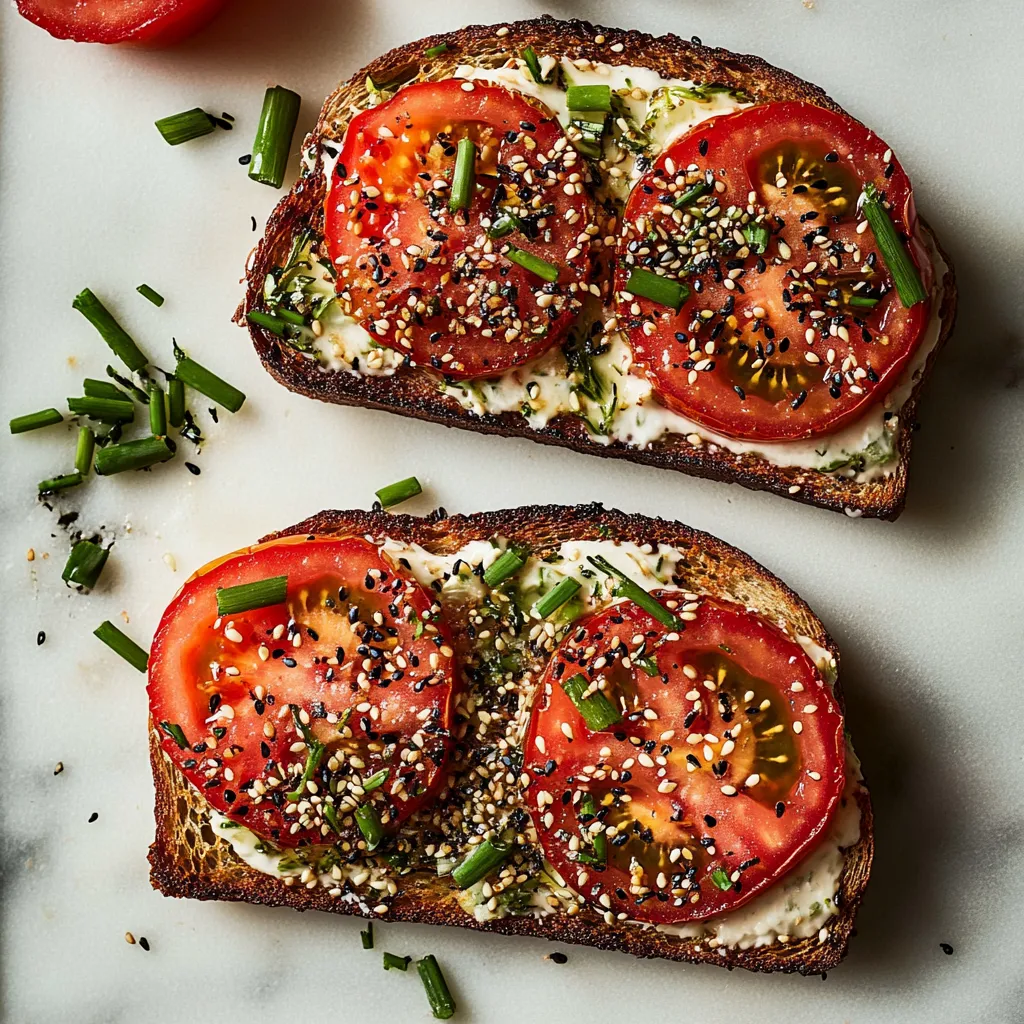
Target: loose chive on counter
<point x="564" y="591"/>
<point x="60" y="483"/>
<point x="130" y="386"/>
<point x="367" y="936"/>
<point x="121" y="644"/>
<point x="84" y="450"/>
<point x="120" y="341"/>
<point x="150" y="293"/>
<point x="119" y="458"/>
<point x="543" y="269"/>
<point x="589" y="97"/>
<point x="464" y="177"/>
<point x="106" y="410"/>
<point x="393" y="962"/>
<point x="396" y="493"/>
<point x="247" y="596"/>
<point x="597" y="710"/>
<point x="894" y="252"/>
<point x="440" y="998"/>
<point x="35" y="420"/>
<point x="84" y="564"/>
<point x="183" y="127"/>
<point x="665" y="291"/>
<point x="175" y="402"/>
<point x="625" y="587"/>
<point x="157" y="410"/>
<point x="481" y="862"/>
<point x="532" y="64"/>
<point x="102" y="389"/>
<point x="273" y="142"/>
<point x="206" y="382"/>
<point x="369" y="824"/>
<point x="506" y="564"/>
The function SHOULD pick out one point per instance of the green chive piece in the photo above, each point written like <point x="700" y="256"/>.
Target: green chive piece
<point x="691" y="195"/>
<point x="120" y="341"/>
<point x="84" y="450"/>
<point x="863" y="301"/>
<point x="367" y="936"/>
<point x="273" y="142"/>
<point x="533" y="64"/>
<point x="314" y="754"/>
<point x="369" y="824"/>
<point x="591" y="140"/>
<point x="502" y="225"/>
<point x="506" y="564"/>
<point x="123" y="645"/>
<point x="481" y="862"/>
<point x="107" y="410"/>
<point x="176" y="733"/>
<point x="35" y="420"/>
<point x="84" y="564"/>
<point x="247" y="596"/>
<point x="440" y="998"/>
<point x="59" y="483"/>
<point x="119" y="458"/>
<point x="206" y="382"/>
<point x="464" y="178"/>
<point x="894" y="252"/>
<point x="588" y="811"/>
<point x="756" y="236"/>
<point x="665" y="291"/>
<point x="331" y="816"/>
<point x="150" y="293"/>
<point x="396" y="493"/>
<point x="376" y="780"/>
<point x="394" y="962"/>
<point x="721" y="879"/>
<point x="597" y="710"/>
<point x="157" y="410"/>
<point x="102" y="389"/>
<point x="564" y="591"/>
<point x="130" y="386"/>
<point x="627" y="588"/>
<point x="435" y="51"/>
<point x="589" y="97"/>
<point x="274" y="324"/>
<point x="175" y="402"/>
<point x="290" y="316"/>
<point x="534" y="264"/>
<point x="183" y="127"/>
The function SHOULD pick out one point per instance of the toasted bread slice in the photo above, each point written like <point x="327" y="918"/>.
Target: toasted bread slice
<point x="415" y="392"/>
<point x="189" y="860"/>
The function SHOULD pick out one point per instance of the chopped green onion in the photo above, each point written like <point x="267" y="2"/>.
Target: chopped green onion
<point x="894" y="252"/>
<point x="502" y="225"/>
<point x="597" y="710"/>
<point x="35" y="420"/>
<point x="291" y="317"/>
<point x="102" y="389"/>
<point x="438" y="995"/>
<point x="120" y="341"/>
<point x="183" y="127"/>
<point x="331" y="815"/>
<point x="275" y="324"/>
<point x="206" y="382"/>
<point x="247" y="596"/>
<point x="376" y="780"/>
<point x="394" y="962"/>
<point x="59" y="483"/>
<point x="506" y="564"/>
<point x="84" y="450"/>
<point x="273" y="141"/>
<point x="693" y="193"/>
<point x="150" y="293"/>
<point x="721" y="879"/>
<point x="396" y="493"/>
<point x="314" y="753"/>
<point x="367" y="936"/>
<point x="84" y="564"/>
<point x="136" y="392"/>
<point x="649" y="665"/>
<point x="756" y="236"/>
<point x="665" y="291"/>
<point x="176" y="733"/>
<point x="864" y="301"/>
<point x="435" y="51"/>
<point x="369" y="824"/>
<point x="591" y="140"/>
<point x="588" y="810"/>
<point x="123" y="645"/>
<point x="175" y="402"/>
<point x="533" y="64"/>
<point x="627" y="588"/>
<point x="543" y="269"/>
<point x="589" y="97"/>
<point x="119" y="458"/>
<point x="157" y="410"/>
<point x="464" y="177"/>
<point x="481" y="862"/>
<point x="108" y="410"/>
<point x="564" y="591"/>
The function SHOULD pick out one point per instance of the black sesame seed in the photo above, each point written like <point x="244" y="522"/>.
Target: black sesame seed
<point x="946" y="948"/>
<point x="40" y="638"/>
<point x="93" y="816"/>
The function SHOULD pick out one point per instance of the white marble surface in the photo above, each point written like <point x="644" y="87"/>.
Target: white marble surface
<point x="927" y="611"/>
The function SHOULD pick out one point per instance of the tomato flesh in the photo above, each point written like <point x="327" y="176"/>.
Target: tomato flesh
<point x="358" y="660"/>
<point x="434" y="284"/>
<point x="792" y="342"/>
<point x="726" y="766"/>
<point x="153" y="22"/>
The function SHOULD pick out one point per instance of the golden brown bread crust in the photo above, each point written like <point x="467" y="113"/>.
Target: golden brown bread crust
<point x="188" y="860"/>
<point x="414" y="392"/>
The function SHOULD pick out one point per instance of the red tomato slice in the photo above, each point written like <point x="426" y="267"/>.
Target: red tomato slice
<point x="794" y="343"/>
<point x="726" y="766"/>
<point x="431" y="283"/>
<point x="154" y="22"/>
<point x="358" y="660"/>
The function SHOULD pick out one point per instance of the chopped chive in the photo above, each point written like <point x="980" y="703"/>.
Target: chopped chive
<point x="506" y="564"/>
<point x="60" y="483"/>
<point x="435" y="51"/>
<point x="589" y="97"/>
<point x="864" y="301"/>
<point x="175" y="402"/>
<point x="150" y="293"/>
<point x="291" y="317"/>
<point x="183" y="127"/>
<point x="107" y="410"/>
<point x="247" y="596"/>
<point x="274" y="324"/>
<point x="130" y="386"/>
<point x="665" y="291"/>
<point x="369" y="824"/>
<point x="588" y="810"/>
<point x="176" y="733"/>
<point x="314" y="753"/>
<point x="693" y="193"/>
<point x="273" y="142"/>
<point x="157" y="410"/>
<point x="120" y="341"/>
<point x="367" y="936"/>
<point x="84" y="450"/>
<point x="533" y="64"/>
<point x="591" y="140"/>
<point x="102" y="389"/>
<point x="206" y="382"/>
<point x="721" y="879"/>
<point x="464" y="177"/>
<point x="564" y="591"/>
<point x="123" y="645"/>
<point x="597" y="710"/>
<point x="376" y="780"/>
<point x="649" y="665"/>
<point x="440" y="998"/>
<point x="894" y="252"/>
<point x="396" y="493"/>
<point x="397" y="963"/>
<point x="481" y="862"/>
<point x="543" y="269"/>
<point x="35" y="420"/>
<point x="118" y="458"/>
<point x="84" y="564"/>
<point x="502" y="225"/>
<point x="331" y="817"/>
<point x="627" y="588"/>
<point x="756" y="236"/>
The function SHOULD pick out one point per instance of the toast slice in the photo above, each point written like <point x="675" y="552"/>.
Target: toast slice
<point x="416" y="392"/>
<point x="189" y="860"/>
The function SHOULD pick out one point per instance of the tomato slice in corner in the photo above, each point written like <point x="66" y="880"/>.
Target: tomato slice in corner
<point x="724" y="769"/>
<point x="433" y="284"/>
<point x="154" y="23"/>
<point x="357" y="660"/>
<point x="797" y="341"/>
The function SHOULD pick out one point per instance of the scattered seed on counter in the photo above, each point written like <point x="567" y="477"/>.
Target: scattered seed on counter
<point x="129" y="938"/>
<point x="40" y="638"/>
<point x="58" y="768"/>
<point x="93" y="816"/>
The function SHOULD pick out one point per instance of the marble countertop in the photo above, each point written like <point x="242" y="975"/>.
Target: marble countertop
<point x="926" y="610"/>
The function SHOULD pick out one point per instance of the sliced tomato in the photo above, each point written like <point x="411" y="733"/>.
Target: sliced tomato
<point x="356" y="661"/>
<point x="725" y="766"/>
<point x="434" y="284"/>
<point x="797" y="341"/>
<point x="153" y="22"/>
